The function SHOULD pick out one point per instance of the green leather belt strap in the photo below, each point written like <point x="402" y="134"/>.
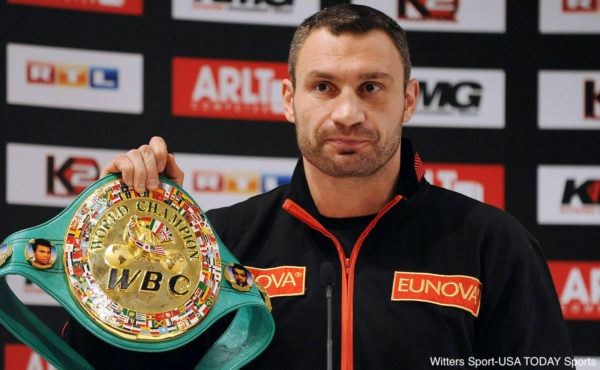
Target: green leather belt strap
<point x="248" y="335"/>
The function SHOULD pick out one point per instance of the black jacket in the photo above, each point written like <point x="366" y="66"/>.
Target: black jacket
<point x="425" y="229"/>
<point x="486" y="292"/>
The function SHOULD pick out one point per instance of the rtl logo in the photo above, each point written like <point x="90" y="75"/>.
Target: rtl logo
<point x="237" y="182"/>
<point x="72" y="75"/>
<point x="448" y="97"/>
<point x="591" y="100"/>
<point x="70" y="177"/>
<point x="228" y="89"/>
<point x="481" y="182"/>
<point x="582" y="194"/>
<point x="578" y="287"/>
<point x="580" y="6"/>
<point x="440" y="10"/>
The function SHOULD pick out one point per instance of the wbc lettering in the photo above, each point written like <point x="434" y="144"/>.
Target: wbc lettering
<point x="151" y="282"/>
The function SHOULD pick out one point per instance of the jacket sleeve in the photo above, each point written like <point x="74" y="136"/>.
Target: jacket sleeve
<point x="520" y="311"/>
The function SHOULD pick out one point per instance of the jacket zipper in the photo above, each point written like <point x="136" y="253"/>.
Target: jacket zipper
<point x="348" y="264"/>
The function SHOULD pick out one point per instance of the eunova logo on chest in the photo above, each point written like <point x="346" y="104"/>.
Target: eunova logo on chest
<point x="446" y="290"/>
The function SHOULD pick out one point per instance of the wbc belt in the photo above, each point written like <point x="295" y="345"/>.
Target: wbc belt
<point x="141" y="271"/>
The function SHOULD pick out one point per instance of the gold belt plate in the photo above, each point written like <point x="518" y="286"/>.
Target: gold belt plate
<point x="145" y="266"/>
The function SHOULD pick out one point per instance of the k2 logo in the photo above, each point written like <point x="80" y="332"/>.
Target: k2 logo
<point x="73" y="175"/>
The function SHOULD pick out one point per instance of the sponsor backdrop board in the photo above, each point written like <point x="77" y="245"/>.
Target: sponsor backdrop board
<point x="509" y="114"/>
<point x="445" y="15"/>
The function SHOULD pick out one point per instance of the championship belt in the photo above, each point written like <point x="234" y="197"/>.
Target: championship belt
<point x="141" y="271"/>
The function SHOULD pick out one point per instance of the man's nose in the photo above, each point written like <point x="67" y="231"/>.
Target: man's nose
<point x="348" y="109"/>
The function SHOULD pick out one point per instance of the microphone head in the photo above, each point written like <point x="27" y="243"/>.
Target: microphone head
<point x="327" y="274"/>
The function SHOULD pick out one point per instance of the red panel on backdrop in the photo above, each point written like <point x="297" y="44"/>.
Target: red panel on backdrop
<point x="479" y="181"/>
<point x="21" y="357"/>
<point x="132" y="7"/>
<point x="246" y="90"/>
<point x="578" y="287"/>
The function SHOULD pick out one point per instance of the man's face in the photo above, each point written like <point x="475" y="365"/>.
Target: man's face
<point x="349" y="102"/>
<point x="240" y="276"/>
<point x="43" y="254"/>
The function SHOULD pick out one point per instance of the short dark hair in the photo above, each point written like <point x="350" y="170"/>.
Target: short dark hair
<point x="42" y="242"/>
<point x="353" y="19"/>
<point x="238" y="266"/>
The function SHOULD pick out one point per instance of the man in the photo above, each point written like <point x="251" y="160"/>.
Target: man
<point x="240" y="275"/>
<point x="423" y="275"/>
<point x="42" y="252"/>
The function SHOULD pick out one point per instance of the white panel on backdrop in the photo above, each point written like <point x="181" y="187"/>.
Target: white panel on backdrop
<point x="265" y="12"/>
<point x="28" y="292"/>
<point x="44" y="175"/>
<point x="444" y="15"/>
<point x="569" y="100"/>
<point x="219" y="180"/>
<point x="466" y="98"/>
<point x="74" y="78"/>
<point x="568" y="195"/>
<point x="569" y="16"/>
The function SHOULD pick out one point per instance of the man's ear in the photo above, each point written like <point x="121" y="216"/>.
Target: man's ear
<point x="287" y="91"/>
<point x="410" y="99"/>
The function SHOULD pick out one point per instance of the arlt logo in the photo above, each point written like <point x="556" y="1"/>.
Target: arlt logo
<point x="444" y="10"/>
<point x="281" y="281"/>
<point x="578" y="288"/>
<point x="482" y="182"/>
<point x="446" y="97"/>
<point x="72" y="75"/>
<point x="592" y="100"/>
<point x="71" y="176"/>
<point x="580" y="6"/>
<point x="586" y="193"/>
<point x="228" y="89"/>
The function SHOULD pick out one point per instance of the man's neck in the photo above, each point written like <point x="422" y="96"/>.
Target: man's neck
<point x="352" y="196"/>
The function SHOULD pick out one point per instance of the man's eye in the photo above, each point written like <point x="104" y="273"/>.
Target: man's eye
<point x="322" y="87"/>
<point x="370" y="87"/>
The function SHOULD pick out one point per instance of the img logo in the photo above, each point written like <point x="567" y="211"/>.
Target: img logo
<point x="72" y="75"/>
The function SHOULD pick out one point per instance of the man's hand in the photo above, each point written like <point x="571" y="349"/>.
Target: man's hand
<point x="140" y="167"/>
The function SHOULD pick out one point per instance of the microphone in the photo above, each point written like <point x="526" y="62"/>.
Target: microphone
<point x="327" y="273"/>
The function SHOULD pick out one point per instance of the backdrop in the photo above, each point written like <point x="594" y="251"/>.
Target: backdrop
<point x="509" y="113"/>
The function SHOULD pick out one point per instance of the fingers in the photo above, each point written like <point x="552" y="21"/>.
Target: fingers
<point x="140" y="167"/>
<point x="172" y="171"/>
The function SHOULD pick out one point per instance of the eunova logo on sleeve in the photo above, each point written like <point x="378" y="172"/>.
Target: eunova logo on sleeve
<point x="282" y="280"/>
<point x="458" y="291"/>
<point x="228" y="89"/>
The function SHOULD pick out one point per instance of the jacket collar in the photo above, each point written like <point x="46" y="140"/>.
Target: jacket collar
<point x="410" y="175"/>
